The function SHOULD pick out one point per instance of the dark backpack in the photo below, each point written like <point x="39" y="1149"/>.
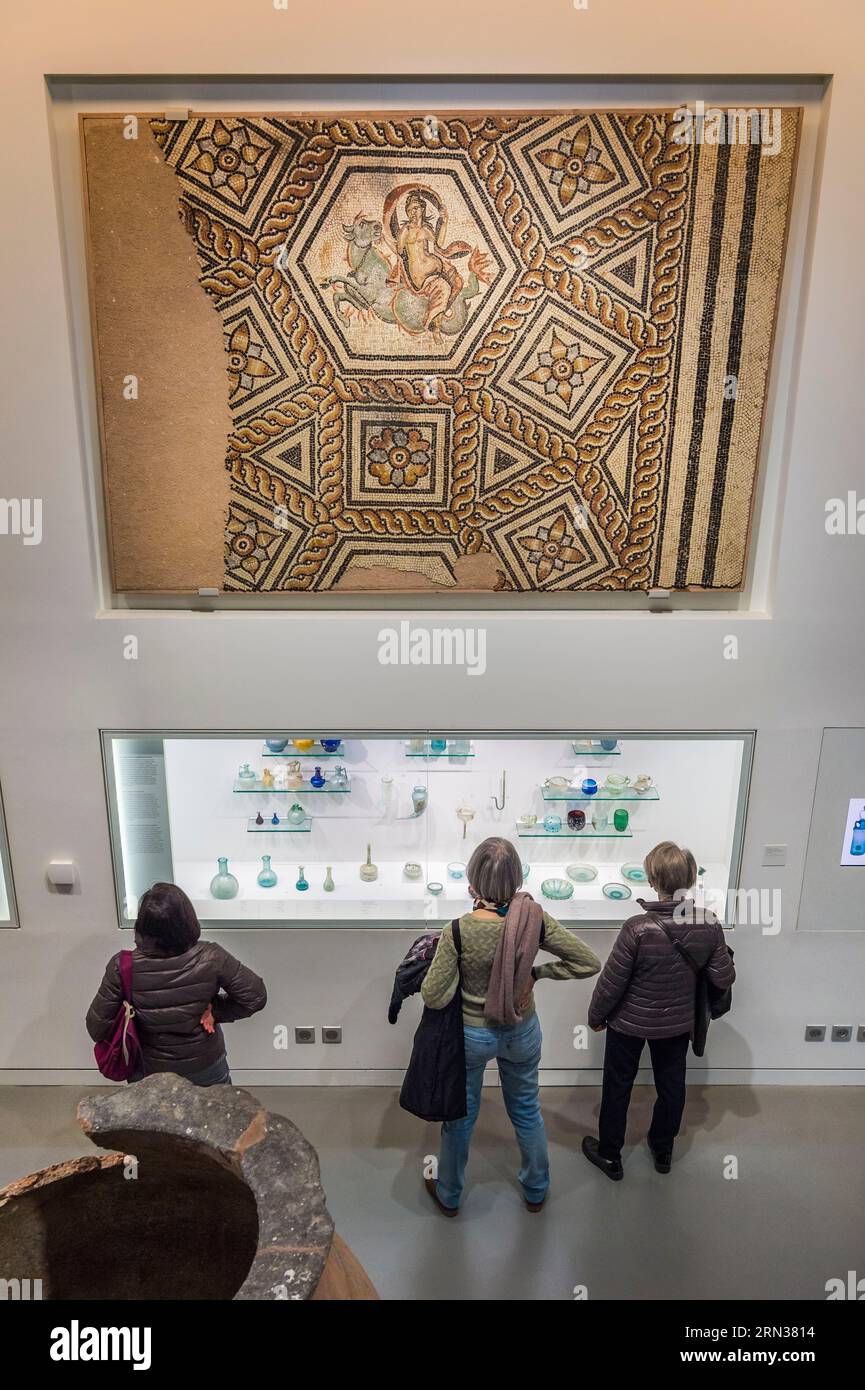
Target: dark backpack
<point x="434" y="1087"/>
<point x="709" y="1001"/>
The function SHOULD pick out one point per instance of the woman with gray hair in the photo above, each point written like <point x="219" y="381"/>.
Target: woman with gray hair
<point x="496" y="973"/>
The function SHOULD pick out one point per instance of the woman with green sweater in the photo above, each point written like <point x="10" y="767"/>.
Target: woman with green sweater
<point x="496" y="974"/>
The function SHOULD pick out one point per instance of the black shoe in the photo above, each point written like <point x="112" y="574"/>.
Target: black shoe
<point x="431" y="1186"/>
<point x="663" y="1159"/>
<point x="611" y="1166"/>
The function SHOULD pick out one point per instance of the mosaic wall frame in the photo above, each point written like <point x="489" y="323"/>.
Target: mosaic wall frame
<point x="489" y="351"/>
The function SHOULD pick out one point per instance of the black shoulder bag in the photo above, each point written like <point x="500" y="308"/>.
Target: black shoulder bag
<point x="434" y="1087"/>
<point x="709" y="1001"/>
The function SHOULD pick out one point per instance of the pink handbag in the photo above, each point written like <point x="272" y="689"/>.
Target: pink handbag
<point x="120" y="1058"/>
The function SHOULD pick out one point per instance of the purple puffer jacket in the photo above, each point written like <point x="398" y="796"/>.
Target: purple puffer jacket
<point x="646" y="989"/>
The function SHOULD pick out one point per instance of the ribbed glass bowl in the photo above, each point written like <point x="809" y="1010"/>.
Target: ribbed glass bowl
<point x="635" y="872"/>
<point x="559" y="888"/>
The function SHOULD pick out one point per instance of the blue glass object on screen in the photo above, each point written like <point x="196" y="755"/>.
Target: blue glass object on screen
<point x="301" y="884"/>
<point x="331" y="745"/>
<point x="553" y="824"/>
<point x="857" y="844"/>
<point x="224" y="884"/>
<point x="438" y="745"/>
<point x="316" y="780"/>
<point x="274" y="820"/>
<point x="266" y="875"/>
<point x="590" y="786"/>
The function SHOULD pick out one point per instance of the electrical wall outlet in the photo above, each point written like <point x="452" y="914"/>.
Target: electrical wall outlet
<point x="815" y="1032"/>
<point x="774" y="856"/>
<point x="304" y="1035"/>
<point x="331" y="1035"/>
<point x="842" y="1032"/>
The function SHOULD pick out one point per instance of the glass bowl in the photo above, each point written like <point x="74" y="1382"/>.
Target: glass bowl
<point x="456" y="870"/>
<point x="557" y="888"/>
<point x="635" y="872"/>
<point x="434" y="888"/>
<point x="616" y="891"/>
<point x="412" y="870"/>
<point x="581" y="873"/>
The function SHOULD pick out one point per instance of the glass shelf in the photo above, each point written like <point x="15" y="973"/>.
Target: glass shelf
<point x="628" y="795"/>
<point x="428" y="752"/>
<point x="538" y="832"/>
<point x="282" y="829"/>
<point x="313" y="754"/>
<point x="245" y="786"/>
<point x="595" y="751"/>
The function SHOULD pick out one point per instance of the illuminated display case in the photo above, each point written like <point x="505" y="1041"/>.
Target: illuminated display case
<point x="379" y="826"/>
<point x="8" y="910"/>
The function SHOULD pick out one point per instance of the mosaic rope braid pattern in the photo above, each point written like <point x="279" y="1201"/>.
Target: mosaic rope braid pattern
<point x="542" y="339"/>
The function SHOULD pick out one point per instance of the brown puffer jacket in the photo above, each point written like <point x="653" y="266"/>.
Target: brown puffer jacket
<point x="169" y="995"/>
<point x="646" y="989"/>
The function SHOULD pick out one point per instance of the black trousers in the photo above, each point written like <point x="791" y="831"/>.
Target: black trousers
<point x="621" y="1060"/>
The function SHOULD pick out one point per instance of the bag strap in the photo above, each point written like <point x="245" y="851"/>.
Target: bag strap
<point x="455" y="933"/>
<point x="126" y="975"/>
<point x="677" y="945"/>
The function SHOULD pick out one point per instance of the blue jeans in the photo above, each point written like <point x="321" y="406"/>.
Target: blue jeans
<point x="517" y="1051"/>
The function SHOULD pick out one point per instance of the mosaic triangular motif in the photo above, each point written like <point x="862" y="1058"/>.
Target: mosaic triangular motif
<point x="627" y="270"/>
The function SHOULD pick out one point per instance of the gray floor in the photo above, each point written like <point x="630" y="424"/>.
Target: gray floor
<point x="793" y="1218"/>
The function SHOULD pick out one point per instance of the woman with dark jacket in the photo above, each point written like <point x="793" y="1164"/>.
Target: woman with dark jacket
<point x="183" y="989"/>
<point x="646" y="993"/>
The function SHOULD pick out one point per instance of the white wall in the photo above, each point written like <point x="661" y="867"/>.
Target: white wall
<point x="802" y="658"/>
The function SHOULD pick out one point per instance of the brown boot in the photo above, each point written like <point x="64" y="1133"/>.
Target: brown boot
<point x="535" y="1206"/>
<point x="430" y="1185"/>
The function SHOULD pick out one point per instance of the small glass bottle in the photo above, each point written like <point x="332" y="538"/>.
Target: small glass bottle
<point x="301" y="884"/>
<point x="317" y="780"/>
<point x="274" y="820"/>
<point x="224" y="884"/>
<point x="296" y="815"/>
<point x="369" y="871"/>
<point x="857" y="843"/>
<point x="259" y="819"/>
<point x="438" y="745"/>
<point x="245" y="773"/>
<point x="329" y="884"/>
<point x="266" y="874"/>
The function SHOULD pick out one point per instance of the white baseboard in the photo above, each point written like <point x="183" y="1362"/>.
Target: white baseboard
<point x="588" y="1076"/>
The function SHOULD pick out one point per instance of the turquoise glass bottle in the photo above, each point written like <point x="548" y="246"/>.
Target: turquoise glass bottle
<point x="224" y="884"/>
<point x="857" y="843"/>
<point x="266" y="875"/>
<point x="301" y="884"/>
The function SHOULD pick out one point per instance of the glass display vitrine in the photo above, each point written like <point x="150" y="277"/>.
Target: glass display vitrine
<point x="8" y="911"/>
<point x="277" y="829"/>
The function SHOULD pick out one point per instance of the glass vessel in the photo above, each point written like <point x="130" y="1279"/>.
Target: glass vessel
<point x="224" y="884"/>
<point x="616" y="891"/>
<point x="438" y="745"/>
<point x="434" y="887"/>
<point x="635" y="872"/>
<point x="589" y="787"/>
<point x="339" y="776"/>
<point x="316" y="780"/>
<point x="620" y="818"/>
<point x="456" y="870"/>
<point x="552" y="824"/>
<point x="368" y="870"/>
<point x="267" y="778"/>
<point x="266" y="874"/>
<point x="259" y="819"/>
<point x="296" y="815"/>
<point x="301" y="884"/>
<point x="581" y="873"/>
<point x="557" y="888"/>
<point x="328" y="884"/>
<point x="274" y="820"/>
<point x="245" y="773"/>
<point x="293" y="775"/>
<point x="857" y="843"/>
<point x="608" y="744"/>
<point x="419" y="799"/>
<point x="276" y="745"/>
<point x="411" y="870"/>
<point x="576" y="819"/>
<point x="331" y="745"/>
<point x="303" y="745"/>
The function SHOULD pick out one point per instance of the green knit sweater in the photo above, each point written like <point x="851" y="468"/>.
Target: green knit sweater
<point x="480" y="937"/>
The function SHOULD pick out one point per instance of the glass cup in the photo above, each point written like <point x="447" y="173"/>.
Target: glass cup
<point x="620" y="818"/>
